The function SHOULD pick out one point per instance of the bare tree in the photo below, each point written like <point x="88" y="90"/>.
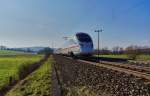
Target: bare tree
<point x="117" y="50"/>
<point x="132" y="52"/>
<point x="105" y="51"/>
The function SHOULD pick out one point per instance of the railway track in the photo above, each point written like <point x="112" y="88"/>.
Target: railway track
<point x="140" y="72"/>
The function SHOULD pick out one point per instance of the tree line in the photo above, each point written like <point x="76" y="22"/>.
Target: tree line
<point x="131" y="51"/>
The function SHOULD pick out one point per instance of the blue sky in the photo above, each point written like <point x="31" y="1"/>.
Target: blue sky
<point x="40" y="22"/>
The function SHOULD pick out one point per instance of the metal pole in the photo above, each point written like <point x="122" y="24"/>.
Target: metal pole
<point x="98" y="31"/>
<point x="98" y="44"/>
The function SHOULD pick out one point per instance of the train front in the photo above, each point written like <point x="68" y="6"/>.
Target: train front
<point x="85" y="42"/>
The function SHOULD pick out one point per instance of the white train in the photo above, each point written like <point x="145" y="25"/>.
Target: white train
<point x="80" y="44"/>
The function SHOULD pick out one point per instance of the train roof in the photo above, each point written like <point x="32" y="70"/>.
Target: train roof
<point x="81" y="33"/>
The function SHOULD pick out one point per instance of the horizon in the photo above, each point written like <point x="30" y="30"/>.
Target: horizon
<point x="44" y="23"/>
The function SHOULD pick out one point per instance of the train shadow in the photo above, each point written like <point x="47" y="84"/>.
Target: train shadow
<point x="98" y="59"/>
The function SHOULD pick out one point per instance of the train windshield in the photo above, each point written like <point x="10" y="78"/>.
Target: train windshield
<point x="83" y="37"/>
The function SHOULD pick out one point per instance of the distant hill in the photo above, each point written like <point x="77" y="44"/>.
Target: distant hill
<point x="29" y="49"/>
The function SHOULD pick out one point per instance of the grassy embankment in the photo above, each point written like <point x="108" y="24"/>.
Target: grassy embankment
<point x="36" y="84"/>
<point x="11" y="65"/>
<point x="140" y="57"/>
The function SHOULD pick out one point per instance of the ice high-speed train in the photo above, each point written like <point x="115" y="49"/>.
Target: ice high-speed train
<point x="80" y="44"/>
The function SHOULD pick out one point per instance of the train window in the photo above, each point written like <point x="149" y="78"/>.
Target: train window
<point x="83" y="37"/>
<point x="69" y="42"/>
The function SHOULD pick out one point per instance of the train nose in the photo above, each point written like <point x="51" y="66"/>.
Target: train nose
<point x="86" y="48"/>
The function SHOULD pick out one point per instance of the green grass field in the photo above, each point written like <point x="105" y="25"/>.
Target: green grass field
<point x="115" y="56"/>
<point x="139" y="57"/>
<point x="10" y="65"/>
<point x="9" y="52"/>
<point x="36" y="84"/>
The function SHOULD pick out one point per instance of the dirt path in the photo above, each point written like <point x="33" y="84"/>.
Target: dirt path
<point x="55" y="86"/>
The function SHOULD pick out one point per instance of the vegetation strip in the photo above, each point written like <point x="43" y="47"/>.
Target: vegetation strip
<point x="36" y="84"/>
<point x="20" y="72"/>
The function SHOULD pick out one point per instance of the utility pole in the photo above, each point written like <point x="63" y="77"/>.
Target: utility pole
<point x="98" y="31"/>
<point x="52" y="47"/>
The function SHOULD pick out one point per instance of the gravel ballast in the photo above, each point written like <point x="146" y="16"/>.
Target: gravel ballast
<point x="100" y="80"/>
